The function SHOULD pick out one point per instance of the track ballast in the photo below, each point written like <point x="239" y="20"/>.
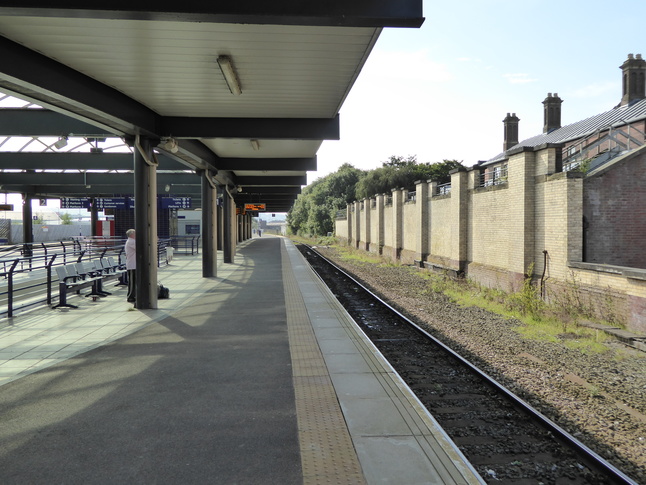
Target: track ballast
<point x="505" y="439"/>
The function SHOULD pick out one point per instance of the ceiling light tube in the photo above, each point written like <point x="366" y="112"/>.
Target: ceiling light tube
<point x="230" y="75"/>
<point x="255" y="145"/>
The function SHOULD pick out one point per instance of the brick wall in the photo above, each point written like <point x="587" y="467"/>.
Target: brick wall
<point x="533" y="220"/>
<point x="615" y="213"/>
<point x="440" y="229"/>
<point x="410" y="234"/>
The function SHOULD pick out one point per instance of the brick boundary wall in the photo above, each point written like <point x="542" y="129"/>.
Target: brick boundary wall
<point x="532" y="220"/>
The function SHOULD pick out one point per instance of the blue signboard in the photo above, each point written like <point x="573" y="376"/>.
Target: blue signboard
<point x="123" y="203"/>
<point x="75" y="203"/>
<point x="113" y="203"/>
<point x="174" y="202"/>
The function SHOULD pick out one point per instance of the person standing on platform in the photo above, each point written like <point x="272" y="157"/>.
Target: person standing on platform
<point x="131" y="264"/>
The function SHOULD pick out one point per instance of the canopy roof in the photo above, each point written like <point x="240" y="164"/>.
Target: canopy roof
<point x="133" y="68"/>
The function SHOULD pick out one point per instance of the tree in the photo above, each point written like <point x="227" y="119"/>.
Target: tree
<point x="315" y="209"/>
<point x="66" y="219"/>
<point x="399" y="172"/>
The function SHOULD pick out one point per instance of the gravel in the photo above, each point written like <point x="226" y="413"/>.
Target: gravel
<point x="598" y="397"/>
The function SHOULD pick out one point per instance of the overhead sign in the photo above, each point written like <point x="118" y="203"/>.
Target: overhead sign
<point x="174" y="202"/>
<point x="6" y="207"/>
<point x="105" y="203"/>
<point x="255" y="207"/>
<point x="75" y="203"/>
<point x="113" y="203"/>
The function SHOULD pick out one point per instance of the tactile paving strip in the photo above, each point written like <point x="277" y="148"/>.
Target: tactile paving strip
<point x="327" y="453"/>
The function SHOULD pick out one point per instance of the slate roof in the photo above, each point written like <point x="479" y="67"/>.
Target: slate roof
<point x="618" y="116"/>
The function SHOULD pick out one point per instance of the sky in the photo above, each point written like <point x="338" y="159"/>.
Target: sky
<point x="441" y="91"/>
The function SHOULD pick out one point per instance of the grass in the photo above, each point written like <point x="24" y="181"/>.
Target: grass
<point x="538" y="320"/>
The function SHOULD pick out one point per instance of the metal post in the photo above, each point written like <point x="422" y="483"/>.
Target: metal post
<point x="145" y="224"/>
<point x="27" y="224"/>
<point x="10" y="289"/>
<point x="229" y="228"/>
<point x="94" y="217"/>
<point x="209" y="227"/>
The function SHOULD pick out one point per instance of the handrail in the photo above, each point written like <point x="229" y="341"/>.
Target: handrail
<point x="48" y="255"/>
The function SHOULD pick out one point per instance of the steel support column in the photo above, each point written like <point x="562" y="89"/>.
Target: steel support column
<point x="146" y="224"/>
<point x="229" y="227"/>
<point x="209" y="226"/>
<point x="220" y="227"/>
<point x="27" y="223"/>
<point x="94" y="217"/>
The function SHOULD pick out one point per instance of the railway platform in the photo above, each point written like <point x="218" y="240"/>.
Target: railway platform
<point x="257" y="376"/>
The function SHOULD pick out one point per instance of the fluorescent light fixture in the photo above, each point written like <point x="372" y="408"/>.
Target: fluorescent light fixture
<point x="230" y="75"/>
<point x="61" y="143"/>
<point x="255" y="145"/>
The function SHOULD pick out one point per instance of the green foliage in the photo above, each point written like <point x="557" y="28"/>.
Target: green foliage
<point x="66" y="219"/>
<point x="400" y="172"/>
<point x="314" y="211"/>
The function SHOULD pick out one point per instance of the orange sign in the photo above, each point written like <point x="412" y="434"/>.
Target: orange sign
<point x="255" y="207"/>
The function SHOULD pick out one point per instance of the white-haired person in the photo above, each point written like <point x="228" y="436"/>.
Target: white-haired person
<point x="131" y="264"/>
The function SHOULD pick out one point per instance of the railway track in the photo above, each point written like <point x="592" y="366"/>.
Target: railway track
<point x="505" y="439"/>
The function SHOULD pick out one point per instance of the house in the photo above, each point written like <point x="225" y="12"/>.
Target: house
<point x="566" y="208"/>
<point x="609" y="148"/>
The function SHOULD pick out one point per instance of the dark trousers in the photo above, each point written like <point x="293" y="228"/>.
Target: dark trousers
<point x="132" y="282"/>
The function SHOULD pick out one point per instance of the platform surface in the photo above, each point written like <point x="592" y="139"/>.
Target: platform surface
<point x="257" y="376"/>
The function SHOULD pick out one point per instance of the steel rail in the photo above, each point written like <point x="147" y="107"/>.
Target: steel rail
<point x="593" y="459"/>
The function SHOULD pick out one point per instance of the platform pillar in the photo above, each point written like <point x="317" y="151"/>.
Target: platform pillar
<point x="146" y="224"/>
<point x="209" y="226"/>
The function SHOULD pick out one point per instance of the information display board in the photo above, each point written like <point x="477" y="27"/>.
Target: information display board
<point x="255" y="207"/>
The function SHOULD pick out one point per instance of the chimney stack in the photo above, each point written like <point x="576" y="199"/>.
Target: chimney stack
<point x="552" y="113"/>
<point x="634" y="86"/>
<point x="511" y="131"/>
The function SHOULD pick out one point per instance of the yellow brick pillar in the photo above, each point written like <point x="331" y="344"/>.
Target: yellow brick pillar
<point x="380" y="222"/>
<point x="366" y="224"/>
<point x="459" y="208"/>
<point x="348" y="222"/>
<point x="423" y="220"/>
<point x="521" y="221"/>
<point x="356" y="218"/>
<point x="398" y="222"/>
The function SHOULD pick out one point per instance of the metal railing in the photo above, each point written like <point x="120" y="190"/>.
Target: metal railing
<point x="26" y="269"/>
<point x="493" y="176"/>
<point x="411" y="196"/>
<point x="186" y="244"/>
<point x="598" y="148"/>
<point x="443" y="189"/>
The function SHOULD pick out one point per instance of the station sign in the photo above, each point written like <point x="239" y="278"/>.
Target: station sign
<point x="75" y="203"/>
<point x="255" y="207"/>
<point x="174" y="202"/>
<point x="107" y="203"/>
<point x="113" y="203"/>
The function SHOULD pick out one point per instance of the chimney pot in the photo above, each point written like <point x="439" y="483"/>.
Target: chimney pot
<point x="551" y="113"/>
<point x="511" y="131"/>
<point x="633" y="71"/>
